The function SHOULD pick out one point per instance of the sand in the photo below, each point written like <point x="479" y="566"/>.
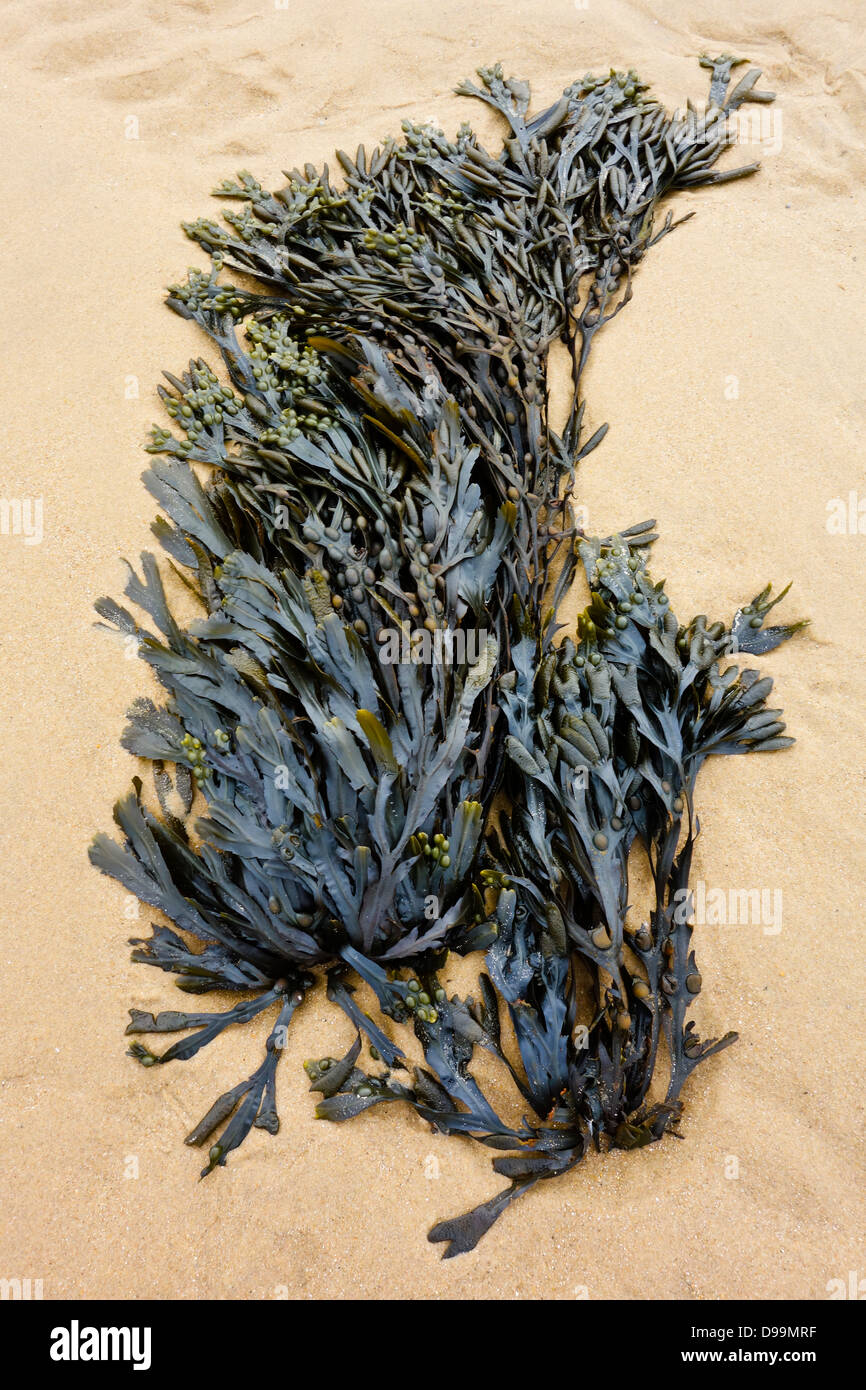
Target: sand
<point x="734" y="388"/>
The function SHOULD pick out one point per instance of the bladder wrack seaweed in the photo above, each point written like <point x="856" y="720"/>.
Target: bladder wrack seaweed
<point x="377" y="458"/>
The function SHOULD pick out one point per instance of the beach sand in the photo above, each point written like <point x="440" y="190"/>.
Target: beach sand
<point x="734" y="387"/>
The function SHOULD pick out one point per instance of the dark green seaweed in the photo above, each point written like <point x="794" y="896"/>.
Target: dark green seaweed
<point x="373" y="469"/>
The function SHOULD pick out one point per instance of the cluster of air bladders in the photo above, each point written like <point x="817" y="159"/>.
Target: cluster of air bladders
<point x="375" y="458"/>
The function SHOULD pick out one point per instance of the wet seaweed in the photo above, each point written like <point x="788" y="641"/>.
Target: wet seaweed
<point x="605" y="743"/>
<point x="370" y="505"/>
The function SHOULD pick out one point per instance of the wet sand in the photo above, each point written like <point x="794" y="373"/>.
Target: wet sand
<point x="733" y="384"/>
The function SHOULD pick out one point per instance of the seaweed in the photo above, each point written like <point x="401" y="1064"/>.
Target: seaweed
<point x="605" y="744"/>
<point x="370" y="505"/>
